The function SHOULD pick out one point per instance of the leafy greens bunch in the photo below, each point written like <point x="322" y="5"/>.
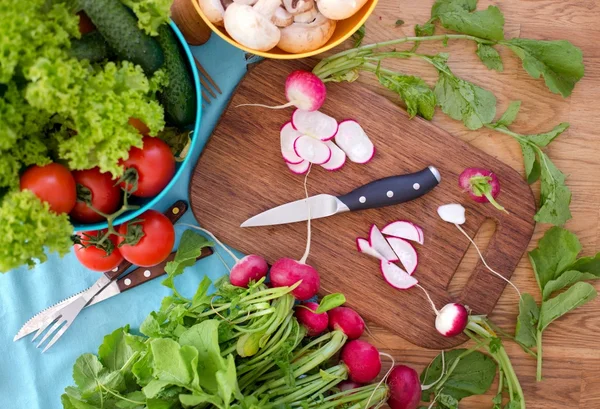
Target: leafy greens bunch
<point x="54" y="107"/>
<point x="560" y="63"/>
<point x="557" y="270"/>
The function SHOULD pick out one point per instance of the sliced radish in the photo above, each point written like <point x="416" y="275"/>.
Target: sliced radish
<point x="396" y="277"/>
<point x="338" y="157"/>
<point x="405" y="252"/>
<point x="380" y="244"/>
<point x="312" y="150"/>
<point x="353" y="140"/>
<point x="299" y="168"/>
<point x="315" y="124"/>
<point x="421" y="235"/>
<point x="287" y="136"/>
<point x="364" y="246"/>
<point x="404" y="230"/>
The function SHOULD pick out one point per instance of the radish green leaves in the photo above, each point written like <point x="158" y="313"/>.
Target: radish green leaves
<point x="556" y="268"/>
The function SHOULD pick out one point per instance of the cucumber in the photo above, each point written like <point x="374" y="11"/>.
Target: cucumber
<point x="92" y="47"/>
<point x="118" y="26"/>
<point x="179" y="97"/>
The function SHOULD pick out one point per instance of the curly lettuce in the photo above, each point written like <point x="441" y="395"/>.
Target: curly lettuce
<point x="151" y="14"/>
<point x="28" y="227"/>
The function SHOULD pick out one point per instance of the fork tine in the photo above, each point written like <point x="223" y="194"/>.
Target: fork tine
<point x="206" y="87"/>
<point x="205" y="97"/>
<point x="57" y="336"/>
<point x="51" y="331"/>
<point x="43" y="328"/>
<point x="208" y="77"/>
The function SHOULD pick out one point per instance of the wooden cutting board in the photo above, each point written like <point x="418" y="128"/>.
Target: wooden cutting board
<point x="241" y="173"/>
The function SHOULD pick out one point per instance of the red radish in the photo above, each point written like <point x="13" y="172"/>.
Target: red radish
<point x="287" y="136"/>
<point x="303" y="89"/>
<point x="364" y="246"/>
<point x="299" y="168"/>
<point x="250" y="268"/>
<point x="380" y="244"/>
<point x="314" y="323"/>
<point x="338" y="157"/>
<point x="421" y="235"/>
<point x="452" y="320"/>
<point x="348" y="385"/>
<point x="314" y="124"/>
<point x="482" y="185"/>
<point x="286" y="272"/>
<point x="396" y="277"/>
<point x="346" y="320"/>
<point x="404" y="230"/>
<point x="362" y="360"/>
<point x="405" y="388"/>
<point x="312" y="150"/>
<point x="405" y="252"/>
<point x="353" y="140"/>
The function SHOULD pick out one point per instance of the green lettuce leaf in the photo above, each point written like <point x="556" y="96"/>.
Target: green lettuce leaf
<point x="151" y="14"/>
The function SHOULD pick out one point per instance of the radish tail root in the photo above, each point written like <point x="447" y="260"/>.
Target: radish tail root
<point x="289" y="104"/>
<point x="213" y="237"/>
<point x="387" y="374"/>
<point x="431" y="385"/>
<point x="223" y="261"/>
<point x="308" y="234"/>
<point x="430" y="300"/>
<point x="484" y="262"/>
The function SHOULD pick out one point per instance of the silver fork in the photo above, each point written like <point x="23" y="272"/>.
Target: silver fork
<point x="205" y="80"/>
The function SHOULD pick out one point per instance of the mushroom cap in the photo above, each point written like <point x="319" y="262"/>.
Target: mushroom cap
<point x="339" y="9"/>
<point x="246" y="2"/>
<point x="303" y="37"/>
<point x="298" y="6"/>
<point x="213" y="10"/>
<point x="307" y="16"/>
<point x="251" y="28"/>
<point x="281" y="17"/>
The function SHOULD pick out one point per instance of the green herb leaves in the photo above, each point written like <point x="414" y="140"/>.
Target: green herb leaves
<point x="189" y="250"/>
<point x="416" y="94"/>
<point x="487" y="24"/>
<point x="555" y="266"/>
<point x="330" y="301"/>
<point x="490" y="57"/>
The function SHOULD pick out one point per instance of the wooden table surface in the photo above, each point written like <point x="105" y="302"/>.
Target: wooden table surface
<point x="571" y="345"/>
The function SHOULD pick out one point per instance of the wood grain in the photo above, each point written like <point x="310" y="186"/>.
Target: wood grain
<point x="572" y="358"/>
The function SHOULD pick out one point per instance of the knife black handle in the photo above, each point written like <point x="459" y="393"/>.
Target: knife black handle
<point x="392" y="190"/>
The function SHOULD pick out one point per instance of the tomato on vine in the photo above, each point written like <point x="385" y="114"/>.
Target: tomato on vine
<point x="98" y="189"/>
<point x="147" y="240"/>
<point x="53" y="184"/>
<point x="103" y="256"/>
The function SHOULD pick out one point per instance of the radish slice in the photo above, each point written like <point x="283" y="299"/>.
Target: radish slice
<point x="404" y="230"/>
<point x="312" y="150"/>
<point x="405" y="252"/>
<point x="287" y="136"/>
<point x="299" y="168"/>
<point x="452" y="213"/>
<point x="396" y="277"/>
<point x="421" y="235"/>
<point x="338" y="157"/>
<point x="353" y="140"/>
<point x="380" y="244"/>
<point x="315" y="124"/>
<point x="364" y="246"/>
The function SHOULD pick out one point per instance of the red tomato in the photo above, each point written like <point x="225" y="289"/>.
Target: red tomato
<point x="155" y="165"/>
<point x="95" y="258"/>
<point x="156" y="244"/>
<point x="85" y="24"/>
<point x="52" y="183"/>
<point x="106" y="196"/>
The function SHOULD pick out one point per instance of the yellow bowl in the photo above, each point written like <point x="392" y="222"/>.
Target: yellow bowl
<point x="343" y="30"/>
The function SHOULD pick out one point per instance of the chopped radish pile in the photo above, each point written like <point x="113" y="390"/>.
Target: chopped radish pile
<point x="312" y="150"/>
<point x="338" y="157"/>
<point x="380" y="244"/>
<point x="299" y="168"/>
<point x="353" y="140"/>
<point x="404" y="230"/>
<point x="405" y="252"/>
<point x="287" y="136"/>
<point x="314" y="124"/>
<point x="396" y="277"/>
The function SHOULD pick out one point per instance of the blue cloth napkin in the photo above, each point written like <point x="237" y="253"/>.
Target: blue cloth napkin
<point x="31" y="380"/>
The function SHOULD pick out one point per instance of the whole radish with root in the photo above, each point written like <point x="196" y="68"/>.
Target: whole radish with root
<point x="314" y="323"/>
<point x="347" y="320"/>
<point x="482" y="185"/>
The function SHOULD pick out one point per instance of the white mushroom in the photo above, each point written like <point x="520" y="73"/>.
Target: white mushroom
<point x="339" y="9"/>
<point x="298" y="6"/>
<point x="306" y="17"/>
<point x="252" y="26"/>
<point x="246" y="2"/>
<point x="282" y="18"/>
<point x="213" y="10"/>
<point x="303" y="37"/>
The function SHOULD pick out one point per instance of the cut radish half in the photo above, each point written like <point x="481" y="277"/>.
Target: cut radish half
<point x="338" y="157"/>
<point x="404" y="230"/>
<point x="299" y="168"/>
<point x="353" y="140"/>
<point x="396" y="277"/>
<point x="405" y="252"/>
<point x="312" y="150"/>
<point x="315" y="124"/>
<point x="421" y="235"/>
<point x="364" y="246"/>
<point x="287" y="136"/>
<point x="380" y="244"/>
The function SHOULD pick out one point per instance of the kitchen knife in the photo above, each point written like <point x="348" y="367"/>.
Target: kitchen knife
<point x="383" y="192"/>
<point x="136" y="277"/>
